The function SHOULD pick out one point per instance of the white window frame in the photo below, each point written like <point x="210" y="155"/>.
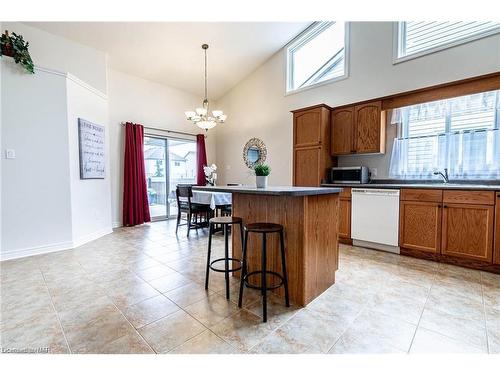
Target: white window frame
<point x="398" y="39"/>
<point x="288" y="64"/>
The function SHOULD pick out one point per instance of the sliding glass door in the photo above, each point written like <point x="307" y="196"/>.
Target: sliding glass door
<point x="169" y="162"/>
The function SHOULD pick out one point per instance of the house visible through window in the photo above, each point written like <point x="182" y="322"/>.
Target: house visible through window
<point x="317" y="55"/>
<point x="418" y="38"/>
<point x="461" y="134"/>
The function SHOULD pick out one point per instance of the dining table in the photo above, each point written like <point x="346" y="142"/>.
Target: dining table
<point x="213" y="198"/>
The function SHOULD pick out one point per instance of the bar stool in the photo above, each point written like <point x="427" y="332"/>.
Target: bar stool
<point x="225" y="222"/>
<point x="264" y="228"/>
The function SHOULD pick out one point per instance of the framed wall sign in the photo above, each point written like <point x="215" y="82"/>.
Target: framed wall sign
<point x="91" y="145"/>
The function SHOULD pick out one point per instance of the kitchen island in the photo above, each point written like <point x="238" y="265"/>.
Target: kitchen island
<point x="310" y="217"/>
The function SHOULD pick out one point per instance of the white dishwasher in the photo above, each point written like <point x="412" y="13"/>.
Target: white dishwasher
<point x="375" y="218"/>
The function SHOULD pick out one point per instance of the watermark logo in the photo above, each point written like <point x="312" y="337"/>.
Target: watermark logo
<point x="41" y="350"/>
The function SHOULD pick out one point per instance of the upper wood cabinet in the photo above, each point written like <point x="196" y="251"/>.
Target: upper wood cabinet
<point x="496" y="252"/>
<point x="311" y="145"/>
<point x="468" y="231"/>
<point x="358" y="129"/>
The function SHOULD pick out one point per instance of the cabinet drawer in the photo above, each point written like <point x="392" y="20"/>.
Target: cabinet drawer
<point x="469" y="197"/>
<point x="345" y="193"/>
<point x="422" y="195"/>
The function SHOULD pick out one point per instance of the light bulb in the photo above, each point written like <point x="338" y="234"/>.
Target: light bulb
<point x="217" y="113"/>
<point x="201" y="111"/>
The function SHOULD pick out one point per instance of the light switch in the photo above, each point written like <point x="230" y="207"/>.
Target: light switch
<point x="10" y="153"/>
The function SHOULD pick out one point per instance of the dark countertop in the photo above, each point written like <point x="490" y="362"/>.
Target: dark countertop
<point x="413" y="185"/>
<point x="272" y="190"/>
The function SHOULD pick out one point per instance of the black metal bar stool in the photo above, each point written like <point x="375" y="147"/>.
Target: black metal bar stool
<point x="225" y="222"/>
<point x="264" y="228"/>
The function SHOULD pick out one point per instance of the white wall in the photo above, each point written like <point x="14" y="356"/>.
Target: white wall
<point x="151" y="104"/>
<point x="36" y="198"/>
<point x="90" y="199"/>
<point x="61" y="54"/>
<point x="257" y="107"/>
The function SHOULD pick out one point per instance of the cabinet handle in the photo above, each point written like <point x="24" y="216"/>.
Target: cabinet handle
<point x="439" y="206"/>
<point x="445" y="206"/>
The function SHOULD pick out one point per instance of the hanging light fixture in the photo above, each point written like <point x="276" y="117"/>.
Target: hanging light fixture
<point x="201" y="116"/>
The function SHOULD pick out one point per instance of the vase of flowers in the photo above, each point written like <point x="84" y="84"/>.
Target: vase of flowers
<point x="262" y="171"/>
<point x="210" y="174"/>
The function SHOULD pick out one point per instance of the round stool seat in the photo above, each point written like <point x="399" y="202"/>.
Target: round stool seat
<point x="226" y="220"/>
<point x="264" y="227"/>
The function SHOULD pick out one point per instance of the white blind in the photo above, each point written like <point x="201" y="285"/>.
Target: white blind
<point x="421" y="36"/>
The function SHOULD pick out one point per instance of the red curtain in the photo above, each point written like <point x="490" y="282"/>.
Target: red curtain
<point x="201" y="156"/>
<point x="135" y="192"/>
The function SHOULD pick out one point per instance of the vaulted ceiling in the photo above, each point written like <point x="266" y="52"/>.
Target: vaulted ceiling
<point x="170" y="52"/>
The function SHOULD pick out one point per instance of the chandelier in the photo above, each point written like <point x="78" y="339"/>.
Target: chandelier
<point x="201" y="116"/>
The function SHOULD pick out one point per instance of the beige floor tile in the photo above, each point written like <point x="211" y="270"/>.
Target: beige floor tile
<point x="131" y="343"/>
<point x="155" y="272"/>
<point x="188" y="294"/>
<point x="277" y="312"/>
<point x="170" y="282"/>
<point x="313" y="330"/>
<point x="493" y="329"/>
<point x="472" y="331"/>
<point x="491" y="296"/>
<point x="92" y="336"/>
<point x="171" y="331"/>
<point x="205" y="343"/>
<point x="280" y="342"/>
<point x="454" y="303"/>
<point x="374" y="328"/>
<point x="135" y="293"/>
<point x="242" y="330"/>
<point x="431" y="342"/>
<point x="398" y="304"/>
<point x="212" y="309"/>
<point x="490" y="279"/>
<point x="150" y="310"/>
<point x="337" y="307"/>
<point x="352" y="343"/>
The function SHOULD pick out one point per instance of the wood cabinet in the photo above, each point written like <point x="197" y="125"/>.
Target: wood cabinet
<point x="496" y="251"/>
<point x="420" y="226"/>
<point x="358" y="129"/>
<point x="468" y="231"/>
<point x="345" y="215"/>
<point x="311" y="145"/>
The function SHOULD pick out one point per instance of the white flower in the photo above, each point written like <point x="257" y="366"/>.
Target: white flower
<point x="214" y="167"/>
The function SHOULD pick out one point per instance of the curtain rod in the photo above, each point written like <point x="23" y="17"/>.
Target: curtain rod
<point x="166" y="131"/>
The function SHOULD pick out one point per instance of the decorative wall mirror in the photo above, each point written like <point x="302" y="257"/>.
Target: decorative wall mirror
<point x="254" y="152"/>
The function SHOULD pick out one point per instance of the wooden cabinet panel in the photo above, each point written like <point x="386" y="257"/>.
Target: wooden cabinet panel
<point x="468" y="231"/>
<point x="420" y="226"/>
<point x="342" y="131"/>
<point x="345" y="218"/>
<point x="345" y="193"/>
<point x="307" y="166"/>
<point x="496" y="252"/>
<point x="469" y="197"/>
<point x="307" y="128"/>
<point x="422" y="195"/>
<point x="369" y="128"/>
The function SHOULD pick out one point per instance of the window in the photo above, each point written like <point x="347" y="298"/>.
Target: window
<point x="461" y="134"/>
<point x="317" y="55"/>
<point x="420" y="38"/>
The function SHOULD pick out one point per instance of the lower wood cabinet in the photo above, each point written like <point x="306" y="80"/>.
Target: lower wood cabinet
<point x="467" y="231"/>
<point x="496" y="251"/>
<point x="345" y="218"/>
<point x="420" y="226"/>
<point x="308" y="169"/>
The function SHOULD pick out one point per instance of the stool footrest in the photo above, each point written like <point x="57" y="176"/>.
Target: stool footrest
<point x="259" y="287"/>
<point x="223" y="270"/>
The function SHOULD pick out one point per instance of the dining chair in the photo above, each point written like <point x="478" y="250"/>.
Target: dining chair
<point x="197" y="215"/>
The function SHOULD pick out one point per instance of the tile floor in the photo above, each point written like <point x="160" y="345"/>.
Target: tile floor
<point x="140" y="290"/>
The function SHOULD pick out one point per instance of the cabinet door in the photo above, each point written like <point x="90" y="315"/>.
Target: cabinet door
<point x="496" y="258"/>
<point x="420" y="226"/>
<point x="342" y="131"/>
<point x="307" y="128"/>
<point x="369" y="128"/>
<point x="468" y="231"/>
<point x="307" y="166"/>
<point x="345" y="218"/>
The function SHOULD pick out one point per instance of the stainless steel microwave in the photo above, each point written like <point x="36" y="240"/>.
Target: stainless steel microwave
<point x="349" y="175"/>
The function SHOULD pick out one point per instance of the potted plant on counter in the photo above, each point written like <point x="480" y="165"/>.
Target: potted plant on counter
<point x="16" y="47"/>
<point x="262" y="171"/>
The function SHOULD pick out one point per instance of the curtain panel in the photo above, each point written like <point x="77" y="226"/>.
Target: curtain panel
<point x="201" y="159"/>
<point x="135" y="196"/>
<point x="460" y="134"/>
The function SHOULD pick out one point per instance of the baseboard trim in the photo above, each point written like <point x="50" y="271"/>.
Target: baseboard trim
<point x="36" y="250"/>
<point x="51" y="248"/>
<point x="116" y="224"/>
<point x="92" y="236"/>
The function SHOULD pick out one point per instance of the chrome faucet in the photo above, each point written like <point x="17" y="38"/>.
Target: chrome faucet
<point x="444" y="175"/>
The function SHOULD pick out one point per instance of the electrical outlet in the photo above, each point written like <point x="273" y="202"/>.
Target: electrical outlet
<point x="373" y="172"/>
<point x="10" y="153"/>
